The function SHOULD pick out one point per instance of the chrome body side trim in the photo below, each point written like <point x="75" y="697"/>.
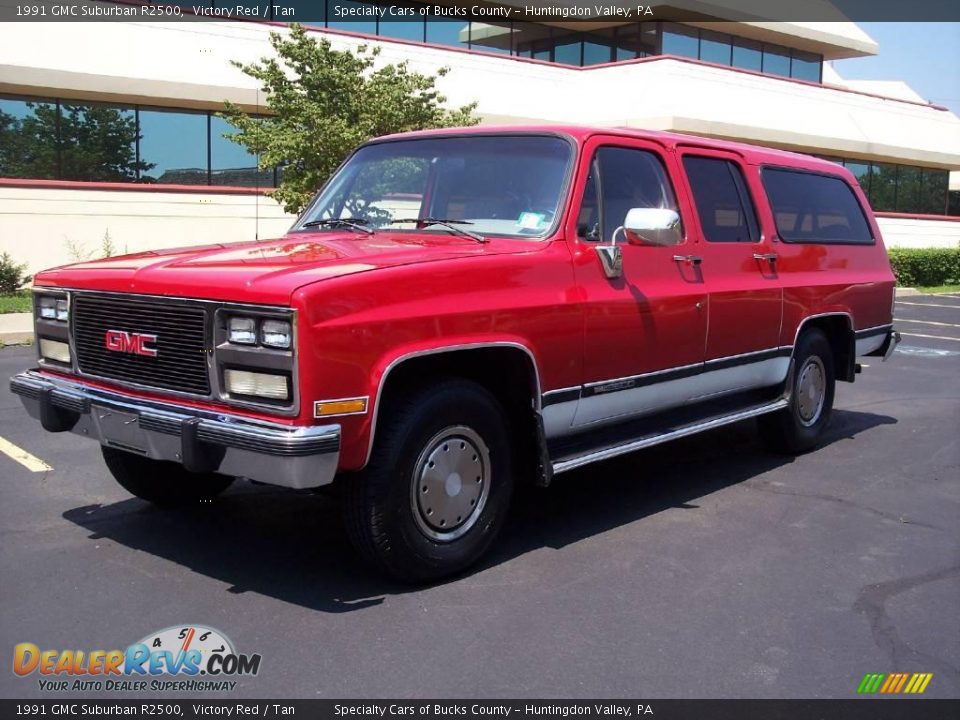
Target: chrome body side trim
<point x="644" y="397"/>
<point x="537" y="392"/>
<point x="290" y="456"/>
<point x="640" y="443"/>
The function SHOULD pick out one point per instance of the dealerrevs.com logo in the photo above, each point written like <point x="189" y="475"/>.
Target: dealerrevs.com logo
<point x="181" y="658"/>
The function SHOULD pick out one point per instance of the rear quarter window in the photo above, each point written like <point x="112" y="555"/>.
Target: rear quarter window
<point x="813" y="208"/>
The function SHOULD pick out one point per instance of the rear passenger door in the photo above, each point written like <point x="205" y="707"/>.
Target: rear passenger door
<point x="739" y="265"/>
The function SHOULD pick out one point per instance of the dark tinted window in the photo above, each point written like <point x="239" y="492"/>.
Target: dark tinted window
<point x="723" y="204"/>
<point x="630" y="179"/>
<point x="815" y="208"/>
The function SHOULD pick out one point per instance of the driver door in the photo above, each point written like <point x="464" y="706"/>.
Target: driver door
<point x="645" y="331"/>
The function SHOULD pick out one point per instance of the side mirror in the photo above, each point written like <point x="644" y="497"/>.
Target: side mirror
<point x="652" y="226"/>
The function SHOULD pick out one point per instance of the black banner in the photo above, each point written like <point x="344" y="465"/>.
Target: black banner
<point x="877" y="709"/>
<point x="359" y="12"/>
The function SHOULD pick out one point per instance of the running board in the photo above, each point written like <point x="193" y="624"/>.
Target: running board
<point x="563" y="464"/>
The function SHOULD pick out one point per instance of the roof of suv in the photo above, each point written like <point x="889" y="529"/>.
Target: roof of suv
<point x="751" y="153"/>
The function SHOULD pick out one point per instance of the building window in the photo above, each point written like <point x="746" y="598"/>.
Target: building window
<point x="747" y="55"/>
<point x="901" y="188"/>
<point x="806" y="66"/>
<point x="173" y="147"/>
<point x="98" y="143"/>
<point x="776" y="62"/>
<point x="28" y="139"/>
<point x="95" y="142"/>
<point x="680" y="40"/>
<point x="715" y="48"/>
<point x="232" y="164"/>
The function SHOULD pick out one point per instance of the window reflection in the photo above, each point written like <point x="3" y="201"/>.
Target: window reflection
<point x="98" y="143"/>
<point x="28" y="139"/>
<point x="232" y="164"/>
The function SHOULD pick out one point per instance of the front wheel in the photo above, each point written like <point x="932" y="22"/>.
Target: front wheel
<point x="162" y="483"/>
<point x="436" y="490"/>
<point x="798" y="427"/>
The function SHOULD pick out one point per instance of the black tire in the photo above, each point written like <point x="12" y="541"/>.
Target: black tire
<point x="799" y="427"/>
<point x="166" y="484"/>
<point x="387" y="520"/>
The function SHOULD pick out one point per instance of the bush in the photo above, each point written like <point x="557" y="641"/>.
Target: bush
<point x="925" y="267"/>
<point x="12" y="276"/>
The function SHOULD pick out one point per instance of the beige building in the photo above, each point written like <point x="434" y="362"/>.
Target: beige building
<point x="107" y="131"/>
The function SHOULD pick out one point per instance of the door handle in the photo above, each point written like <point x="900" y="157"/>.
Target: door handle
<point x="769" y="257"/>
<point x="692" y="259"/>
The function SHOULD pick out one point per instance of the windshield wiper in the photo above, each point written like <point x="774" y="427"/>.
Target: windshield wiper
<point x="357" y="224"/>
<point x="447" y="223"/>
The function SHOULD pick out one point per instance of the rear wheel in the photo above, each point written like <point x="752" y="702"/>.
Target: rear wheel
<point x="162" y="483"/>
<point x="436" y="490"/>
<point x="799" y="426"/>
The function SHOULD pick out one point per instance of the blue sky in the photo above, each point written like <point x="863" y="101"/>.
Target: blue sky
<point x="924" y="55"/>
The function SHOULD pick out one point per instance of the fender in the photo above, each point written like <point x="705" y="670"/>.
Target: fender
<point x="439" y="350"/>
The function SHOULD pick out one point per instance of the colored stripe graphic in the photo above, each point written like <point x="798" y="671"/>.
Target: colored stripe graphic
<point x="894" y="683"/>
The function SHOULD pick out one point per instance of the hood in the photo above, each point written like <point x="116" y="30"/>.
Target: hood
<point x="268" y="271"/>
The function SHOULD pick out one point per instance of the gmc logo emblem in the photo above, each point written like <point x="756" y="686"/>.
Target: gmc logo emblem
<point x="131" y="343"/>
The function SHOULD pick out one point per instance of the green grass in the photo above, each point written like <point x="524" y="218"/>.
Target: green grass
<point x="18" y="303"/>
<point x="938" y="289"/>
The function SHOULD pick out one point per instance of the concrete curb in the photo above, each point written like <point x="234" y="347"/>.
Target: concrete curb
<point x="907" y="292"/>
<point x="16" y="329"/>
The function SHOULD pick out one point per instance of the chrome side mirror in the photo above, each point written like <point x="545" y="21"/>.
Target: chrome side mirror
<point x="659" y="227"/>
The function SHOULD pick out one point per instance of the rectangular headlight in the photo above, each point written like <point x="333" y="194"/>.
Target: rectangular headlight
<point x="276" y="334"/>
<point x="63" y="310"/>
<point x="55" y="350"/>
<point x="266" y="385"/>
<point x="48" y="307"/>
<point x="242" y="330"/>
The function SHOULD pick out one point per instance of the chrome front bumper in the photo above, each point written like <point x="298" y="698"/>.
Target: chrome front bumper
<point x="201" y="441"/>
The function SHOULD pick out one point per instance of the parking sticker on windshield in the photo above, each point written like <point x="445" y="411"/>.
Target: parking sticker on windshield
<point x="531" y="221"/>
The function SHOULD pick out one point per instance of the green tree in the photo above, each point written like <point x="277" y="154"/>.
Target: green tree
<point x="324" y="102"/>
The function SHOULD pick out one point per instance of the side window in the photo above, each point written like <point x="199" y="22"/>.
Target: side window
<point x="622" y="179"/>
<point x="811" y="208"/>
<point x="723" y="203"/>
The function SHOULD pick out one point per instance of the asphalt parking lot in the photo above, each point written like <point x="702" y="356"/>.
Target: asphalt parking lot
<point x="702" y="568"/>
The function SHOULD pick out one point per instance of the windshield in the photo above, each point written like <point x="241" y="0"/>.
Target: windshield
<point x="488" y="185"/>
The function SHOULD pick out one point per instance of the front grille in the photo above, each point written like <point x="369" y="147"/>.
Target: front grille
<point x="181" y="360"/>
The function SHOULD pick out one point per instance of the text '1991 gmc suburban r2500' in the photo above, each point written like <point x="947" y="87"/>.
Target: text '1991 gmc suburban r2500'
<point x="460" y="311"/>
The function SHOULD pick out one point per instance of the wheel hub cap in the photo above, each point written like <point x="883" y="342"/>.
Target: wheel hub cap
<point x="811" y="388"/>
<point x="450" y="483"/>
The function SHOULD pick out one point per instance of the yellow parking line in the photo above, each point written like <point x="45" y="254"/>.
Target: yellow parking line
<point x="901" y="302"/>
<point x="932" y="337"/>
<point x="30" y="462"/>
<point x="927" y="322"/>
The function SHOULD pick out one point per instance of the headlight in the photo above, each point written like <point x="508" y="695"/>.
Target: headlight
<point x="266" y="385"/>
<point x="55" y="350"/>
<point x="242" y="330"/>
<point x="53" y="308"/>
<point x="276" y="334"/>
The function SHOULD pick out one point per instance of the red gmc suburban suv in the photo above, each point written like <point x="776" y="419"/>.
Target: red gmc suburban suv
<point x="460" y="311"/>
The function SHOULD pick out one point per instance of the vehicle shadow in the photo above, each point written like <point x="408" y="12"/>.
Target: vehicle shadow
<point x="292" y="546"/>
